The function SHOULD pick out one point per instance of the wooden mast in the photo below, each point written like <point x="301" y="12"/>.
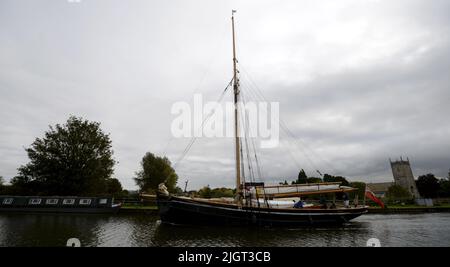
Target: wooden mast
<point x="236" y="116"/>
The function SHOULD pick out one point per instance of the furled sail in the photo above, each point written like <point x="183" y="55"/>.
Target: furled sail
<point x="298" y="189"/>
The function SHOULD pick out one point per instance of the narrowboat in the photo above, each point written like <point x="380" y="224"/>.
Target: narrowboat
<point x="58" y="204"/>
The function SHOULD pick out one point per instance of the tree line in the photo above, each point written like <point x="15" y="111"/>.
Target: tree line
<point x="76" y="158"/>
<point x="428" y="186"/>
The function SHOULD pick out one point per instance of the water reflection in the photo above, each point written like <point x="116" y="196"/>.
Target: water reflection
<point x="144" y="231"/>
<point x="46" y="230"/>
<point x="166" y="235"/>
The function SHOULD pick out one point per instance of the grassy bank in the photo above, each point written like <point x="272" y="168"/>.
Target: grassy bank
<point x="409" y="209"/>
<point x="138" y="209"/>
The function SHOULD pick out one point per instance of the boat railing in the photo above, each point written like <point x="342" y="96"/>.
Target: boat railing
<point x="309" y="204"/>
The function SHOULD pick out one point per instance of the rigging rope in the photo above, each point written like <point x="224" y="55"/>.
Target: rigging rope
<point x="283" y="127"/>
<point x="288" y="148"/>
<point x="257" y="92"/>
<point x="249" y="161"/>
<point x="248" y="133"/>
<point x="194" y="138"/>
<point x="242" y="162"/>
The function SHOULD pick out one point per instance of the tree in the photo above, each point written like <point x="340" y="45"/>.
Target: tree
<point x="314" y="180"/>
<point x="205" y="192"/>
<point x="331" y="179"/>
<point x="428" y="186"/>
<point x="2" y="181"/>
<point x="361" y="186"/>
<point x="396" y="192"/>
<point x="302" y="177"/>
<point x="444" y="188"/>
<point x="71" y="159"/>
<point x="178" y="190"/>
<point x="114" y="187"/>
<point x="5" y="189"/>
<point x="222" y="192"/>
<point x="154" y="171"/>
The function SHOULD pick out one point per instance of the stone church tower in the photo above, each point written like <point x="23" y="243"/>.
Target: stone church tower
<point x="404" y="177"/>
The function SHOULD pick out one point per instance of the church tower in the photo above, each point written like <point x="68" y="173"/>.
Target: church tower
<point x="404" y="177"/>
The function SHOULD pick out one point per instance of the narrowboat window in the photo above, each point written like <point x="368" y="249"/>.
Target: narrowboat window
<point x="85" y="202"/>
<point x="8" y="201"/>
<point x="103" y="201"/>
<point x="69" y="201"/>
<point x="35" y="201"/>
<point x="52" y="201"/>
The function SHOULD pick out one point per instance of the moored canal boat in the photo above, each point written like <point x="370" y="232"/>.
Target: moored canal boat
<point x="58" y="204"/>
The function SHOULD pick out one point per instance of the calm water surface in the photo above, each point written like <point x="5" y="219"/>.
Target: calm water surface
<point x="145" y="230"/>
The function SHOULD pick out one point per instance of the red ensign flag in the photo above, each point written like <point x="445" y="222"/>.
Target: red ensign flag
<point x="372" y="196"/>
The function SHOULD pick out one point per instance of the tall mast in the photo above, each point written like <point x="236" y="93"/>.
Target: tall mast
<point x="236" y="115"/>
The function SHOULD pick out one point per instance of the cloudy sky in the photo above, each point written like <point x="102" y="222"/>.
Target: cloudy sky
<point x="358" y="81"/>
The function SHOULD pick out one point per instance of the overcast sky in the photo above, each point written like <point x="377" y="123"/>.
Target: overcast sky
<point x="357" y="81"/>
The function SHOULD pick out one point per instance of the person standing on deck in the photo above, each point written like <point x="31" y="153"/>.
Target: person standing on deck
<point x="345" y="197"/>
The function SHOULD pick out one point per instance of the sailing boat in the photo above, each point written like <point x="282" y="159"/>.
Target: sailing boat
<point x="256" y="203"/>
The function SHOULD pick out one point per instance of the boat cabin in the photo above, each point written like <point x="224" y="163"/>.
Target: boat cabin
<point x="55" y="203"/>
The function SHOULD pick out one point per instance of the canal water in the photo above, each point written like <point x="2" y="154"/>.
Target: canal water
<point x="431" y="229"/>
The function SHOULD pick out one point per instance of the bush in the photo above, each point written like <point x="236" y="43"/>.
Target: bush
<point x="396" y="194"/>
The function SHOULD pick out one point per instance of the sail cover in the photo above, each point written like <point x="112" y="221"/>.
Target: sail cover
<point x="301" y="189"/>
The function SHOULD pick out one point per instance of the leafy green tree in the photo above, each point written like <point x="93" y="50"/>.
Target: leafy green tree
<point x="444" y="188"/>
<point x="125" y="194"/>
<point x="2" y="187"/>
<point x="361" y="190"/>
<point x="205" y="192"/>
<point x="314" y="180"/>
<point x="302" y="177"/>
<point x="178" y="190"/>
<point x="222" y="192"/>
<point x="114" y="187"/>
<point x="428" y="186"/>
<point x="396" y="192"/>
<point x="75" y="158"/>
<point x="6" y="190"/>
<point x="331" y="179"/>
<point x="154" y="171"/>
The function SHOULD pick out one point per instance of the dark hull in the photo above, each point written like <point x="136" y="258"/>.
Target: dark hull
<point x="175" y="210"/>
<point x="60" y="210"/>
